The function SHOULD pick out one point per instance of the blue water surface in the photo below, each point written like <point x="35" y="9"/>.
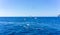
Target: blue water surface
<point x="29" y="25"/>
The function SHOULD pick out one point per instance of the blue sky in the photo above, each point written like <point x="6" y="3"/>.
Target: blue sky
<point x="29" y="7"/>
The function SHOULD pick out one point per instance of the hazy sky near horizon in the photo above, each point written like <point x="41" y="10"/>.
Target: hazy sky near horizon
<point x="29" y="7"/>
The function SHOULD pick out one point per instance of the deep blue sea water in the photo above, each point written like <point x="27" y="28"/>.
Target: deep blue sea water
<point x="29" y="25"/>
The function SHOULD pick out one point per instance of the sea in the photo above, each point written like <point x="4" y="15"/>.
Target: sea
<point x="29" y="25"/>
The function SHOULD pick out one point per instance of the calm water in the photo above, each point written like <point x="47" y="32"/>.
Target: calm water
<point x="29" y="25"/>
